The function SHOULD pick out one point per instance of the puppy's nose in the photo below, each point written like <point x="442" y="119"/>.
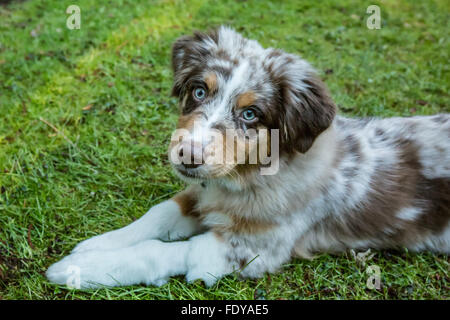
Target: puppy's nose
<point x="191" y="154"/>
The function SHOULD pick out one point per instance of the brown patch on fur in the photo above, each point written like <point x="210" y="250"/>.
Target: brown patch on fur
<point x="249" y="226"/>
<point x="184" y="122"/>
<point x="246" y="99"/>
<point x="238" y="224"/>
<point x="187" y="201"/>
<point x="394" y="189"/>
<point x="437" y="213"/>
<point x="187" y="121"/>
<point x="211" y="81"/>
<point x="432" y="196"/>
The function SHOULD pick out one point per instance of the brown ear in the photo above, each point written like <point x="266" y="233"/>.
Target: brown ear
<point x="179" y="59"/>
<point x="306" y="108"/>
<point x="188" y="53"/>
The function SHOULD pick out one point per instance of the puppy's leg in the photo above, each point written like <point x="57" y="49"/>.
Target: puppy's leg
<point x="149" y="262"/>
<point x="207" y="256"/>
<point x="170" y="220"/>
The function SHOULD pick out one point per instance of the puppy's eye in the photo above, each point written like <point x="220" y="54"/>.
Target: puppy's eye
<point x="199" y="93"/>
<point x="249" y="115"/>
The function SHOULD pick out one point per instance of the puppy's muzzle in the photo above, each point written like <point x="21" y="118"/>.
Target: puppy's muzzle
<point x="190" y="154"/>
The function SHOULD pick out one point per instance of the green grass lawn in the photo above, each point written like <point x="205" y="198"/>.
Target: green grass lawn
<point x="86" y="116"/>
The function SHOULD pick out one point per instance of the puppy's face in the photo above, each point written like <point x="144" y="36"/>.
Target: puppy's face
<point x="230" y="91"/>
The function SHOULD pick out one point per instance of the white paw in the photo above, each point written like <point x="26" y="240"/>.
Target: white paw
<point x="93" y="269"/>
<point x="207" y="259"/>
<point x="84" y="270"/>
<point x="208" y="278"/>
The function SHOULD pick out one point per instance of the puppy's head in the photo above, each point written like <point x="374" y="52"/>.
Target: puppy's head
<point x="228" y="84"/>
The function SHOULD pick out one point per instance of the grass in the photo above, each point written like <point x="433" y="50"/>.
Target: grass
<point x="85" y="118"/>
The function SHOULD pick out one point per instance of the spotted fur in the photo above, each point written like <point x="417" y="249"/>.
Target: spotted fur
<point x="341" y="184"/>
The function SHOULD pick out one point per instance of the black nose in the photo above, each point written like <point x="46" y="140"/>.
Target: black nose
<point x="193" y="161"/>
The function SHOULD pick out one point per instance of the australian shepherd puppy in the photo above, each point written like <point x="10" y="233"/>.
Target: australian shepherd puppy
<point x="330" y="184"/>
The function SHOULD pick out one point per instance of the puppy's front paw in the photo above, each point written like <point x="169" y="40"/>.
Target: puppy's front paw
<point x="84" y="270"/>
<point x="208" y="278"/>
<point x="106" y="241"/>
<point x="126" y="266"/>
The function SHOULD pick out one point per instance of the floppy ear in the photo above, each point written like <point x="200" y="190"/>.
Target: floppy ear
<point x="179" y="59"/>
<point x="306" y="108"/>
<point x="188" y="53"/>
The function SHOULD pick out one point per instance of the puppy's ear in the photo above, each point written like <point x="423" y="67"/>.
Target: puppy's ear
<point x="305" y="106"/>
<point x="188" y="55"/>
<point x="180" y="60"/>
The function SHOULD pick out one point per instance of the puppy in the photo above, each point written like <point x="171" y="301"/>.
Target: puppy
<point x="337" y="183"/>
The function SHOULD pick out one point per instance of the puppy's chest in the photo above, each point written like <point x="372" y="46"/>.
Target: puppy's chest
<point x="235" y="211"/>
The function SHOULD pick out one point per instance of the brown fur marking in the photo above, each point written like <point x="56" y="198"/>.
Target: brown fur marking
<point x="187" y="121"/>
<point x="249" y="226"/>
<point x="241" y="225"/>
<point x="187" y="202"/>
<point x="394" y="189"/>
<point x="246" y="99"/>
<point x="211" y="81"/>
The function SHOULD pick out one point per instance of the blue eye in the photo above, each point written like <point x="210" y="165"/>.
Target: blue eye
<point x="249" y="115"/>
<point x="199" y="93"/>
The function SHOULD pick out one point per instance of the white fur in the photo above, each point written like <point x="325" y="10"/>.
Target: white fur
<point x="148" y="262"/>
<point x="297" y="203"/>
<point x="127" y="256"/>
<point x="409" y="214"/>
